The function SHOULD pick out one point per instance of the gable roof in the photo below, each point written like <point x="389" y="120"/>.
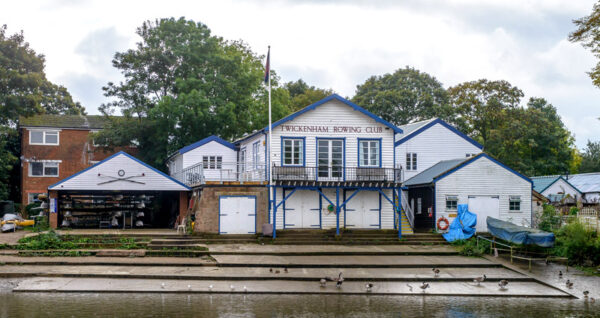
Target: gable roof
<point x="64" y="121"/>
<point x="204" y="142"/>
<point x="414" y="129"/>
<point x="162" y="182"/>
<point x="444" y="168"/>
<point x="585" y="182"/>
<point x="541" y="183"/>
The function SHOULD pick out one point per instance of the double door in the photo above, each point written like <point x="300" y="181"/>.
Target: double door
<point x="330" y="159"/>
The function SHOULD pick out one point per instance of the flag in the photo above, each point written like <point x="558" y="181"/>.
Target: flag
<point x="268" y="66"/>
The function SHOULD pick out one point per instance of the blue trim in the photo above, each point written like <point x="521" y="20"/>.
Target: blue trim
<point x="237" y="196"/>
<point x="267" y="158"/>
<point x="344" y="205"/>
<point x="274" y="212"/>
<point x="282" y="138"/>
<point x="343" y="154"/>
<point x="380" y="210"/>
<point x="380" y="159"/>
<point x="320" y="211"/>
<point x="204" y="142"/>
<point x="565" y="180"/>
<point x="399" y="209"/>
<point x="341" y="99"/>
<point x="473" y="159"/>
<point x="443" y="123"/>
<point x="284" y="211"/>
<point x="113" y="156"/>
<point x="434" y="208"/>
<point x="337" y="211"/>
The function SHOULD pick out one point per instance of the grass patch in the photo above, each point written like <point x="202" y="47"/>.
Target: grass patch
<point x="4" y="246"/>
<point x="470" y="248"/>
<point x="57" y="253"/>
<point x="53" y="241"/>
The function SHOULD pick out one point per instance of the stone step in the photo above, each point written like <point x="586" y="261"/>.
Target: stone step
<point x="198" y="247"/>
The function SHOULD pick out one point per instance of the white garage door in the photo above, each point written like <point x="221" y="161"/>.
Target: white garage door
<point x="302" y="210"/>
<point x="362" y="211"/>
<point x="484" y="206"/>
<point x="237" y="214"/>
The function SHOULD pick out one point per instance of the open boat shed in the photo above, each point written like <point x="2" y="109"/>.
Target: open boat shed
<point x="118" y="192"/>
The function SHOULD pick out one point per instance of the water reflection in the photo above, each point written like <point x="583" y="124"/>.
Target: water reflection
<point x="204" y="305"/>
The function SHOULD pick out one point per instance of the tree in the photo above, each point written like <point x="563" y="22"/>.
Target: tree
<point x="302" y="95"/>
<point x="24" y="91"/>
<point x="405" y="96"/>
<point x="481" y="106"/>
<point x="588" y="34"/>
<point x="183" y="84"/>
<point x="590" y="158"/>
<point x="533" y="140"/>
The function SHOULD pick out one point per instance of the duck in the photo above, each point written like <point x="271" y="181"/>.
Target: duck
<point x="480" y="279"/>
<point x="285" y="270"/>
<point x="232" y="287"/>
<point x="569" y="283"/>
<point x="189" y="287"/>
<point x="424" y="286"/>
<point x="436" y="272"/>
<point x="245" y="289"/>
<point x="369" y="287"/>
<point x="210" y="287"/>
<point x="586" y="293"/>
<point x="323" y="282"/>
<point x="277" y="272"/>
<point x="270" y="270"/>
<point x="162" y="285"/>
<point x="503" y="283"/>
<point x="409" y="287"/>
<point x="560" y="275"/>
<point x="592" y="300"/>
<point x="340" y="280"/>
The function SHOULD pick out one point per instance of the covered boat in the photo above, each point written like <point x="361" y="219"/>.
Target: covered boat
<point x="519" y="234"/>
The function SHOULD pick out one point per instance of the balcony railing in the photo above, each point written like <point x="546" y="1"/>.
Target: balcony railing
<point x="200" y="173"/>
<point x="348" y="174"/>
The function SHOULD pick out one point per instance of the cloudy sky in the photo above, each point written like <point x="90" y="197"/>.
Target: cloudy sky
<point x="338" y="44"/>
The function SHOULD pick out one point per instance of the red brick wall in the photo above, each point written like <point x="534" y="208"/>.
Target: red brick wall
<point x="74" y="149"/>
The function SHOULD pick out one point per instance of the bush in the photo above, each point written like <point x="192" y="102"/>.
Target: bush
<point x="580" y="245"/>
<point x="573" y="211"/>
<point x="550" y="218"/>
<point x="469" y="247"/>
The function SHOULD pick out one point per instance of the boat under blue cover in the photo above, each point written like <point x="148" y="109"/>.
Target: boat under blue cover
<point x="519" y="234"/>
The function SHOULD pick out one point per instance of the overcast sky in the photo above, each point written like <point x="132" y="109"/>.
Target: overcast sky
<point x="338" y="44"/>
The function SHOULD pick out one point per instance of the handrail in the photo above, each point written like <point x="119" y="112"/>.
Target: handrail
<point x="337" y="173"/>
<point x="408" y="211"/>
<point x="199" y="173"/>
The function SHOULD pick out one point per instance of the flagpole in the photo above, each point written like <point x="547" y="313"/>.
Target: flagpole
<point x="270" y="141"/>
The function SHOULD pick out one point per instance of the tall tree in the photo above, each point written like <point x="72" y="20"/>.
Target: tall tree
<point x="183" y="84"/>
<point x="302" y="95"/>
<point x="590" y="158"/>
<point x="24" y="91"/>
<point x="405" y="96"/>
<point x="480" y="106"/>
<point x="588" y="34"/>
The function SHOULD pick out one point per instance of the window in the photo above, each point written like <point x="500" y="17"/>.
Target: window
<point x="212" y="162"/>
<point x="368" y="153"/>
<point x="43" y="137"/>
<point x="255" y="149"/>
<point x="43" y="169"/>
<point x="451" y="203"/>
<point x="243" y="159"/>
<point x="411" y="161"/>
<point x="293" y="152"/>
<point x="31" y="197"/>
<point x="514" y="203"/>
<point x="469" y="155"/>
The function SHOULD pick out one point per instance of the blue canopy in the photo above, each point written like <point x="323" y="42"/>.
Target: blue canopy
<point x="519" y="234"/>
<point x="463" y="227"/>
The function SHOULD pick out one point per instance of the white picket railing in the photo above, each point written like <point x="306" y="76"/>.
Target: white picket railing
<point x="200" y="173"/>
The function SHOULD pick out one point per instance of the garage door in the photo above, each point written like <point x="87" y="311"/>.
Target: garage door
<point x="484" y="206"/>
<point x="302" y="210"/>
<point x="362" y="211"/>
<point x="237" y="214"/>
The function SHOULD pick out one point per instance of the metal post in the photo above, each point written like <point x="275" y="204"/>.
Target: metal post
<point x="274" y="212"/>
<point x="337" y="211"/>
<point x="399" y="208"/>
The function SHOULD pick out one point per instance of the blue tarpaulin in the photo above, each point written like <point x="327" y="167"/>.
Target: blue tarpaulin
<point x="519" y="234"/>
<point x="463" y="227"/>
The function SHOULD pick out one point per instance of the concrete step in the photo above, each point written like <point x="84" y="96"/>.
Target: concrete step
<point x="197" y="247"/>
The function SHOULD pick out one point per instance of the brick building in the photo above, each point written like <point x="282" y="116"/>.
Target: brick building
<point x="54" y="147"/>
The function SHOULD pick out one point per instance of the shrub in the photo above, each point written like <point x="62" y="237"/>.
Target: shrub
<point x="469" y="247"/>
<point x="580" y="245"/>
<point x="550" y="218"/>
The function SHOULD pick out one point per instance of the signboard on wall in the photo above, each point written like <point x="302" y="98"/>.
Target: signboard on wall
<point x="53" y="205"/>
<point x="333" y="129"/>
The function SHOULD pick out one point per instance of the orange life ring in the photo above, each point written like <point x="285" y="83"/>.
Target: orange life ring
<point x="445" y="221"/>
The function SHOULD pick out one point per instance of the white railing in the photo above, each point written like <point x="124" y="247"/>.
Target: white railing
<point x="410" y="214"/>
<point x="200" y="173"/>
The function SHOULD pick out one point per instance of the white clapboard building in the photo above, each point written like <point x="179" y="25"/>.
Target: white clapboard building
<point x="334" y="164"/>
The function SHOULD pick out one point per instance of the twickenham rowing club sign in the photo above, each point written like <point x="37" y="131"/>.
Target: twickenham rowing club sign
<point x="332" y="129"/>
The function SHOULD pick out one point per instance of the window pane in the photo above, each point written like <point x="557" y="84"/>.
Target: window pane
<point x="37" y="137"/>
<point x="205" y="162"/>
<point x="414" y="161"/>
<point x="219" y="162"/>
<point x="50" y="171"/>
<point x="52" y="138"/>
<point x="37" y="168"/>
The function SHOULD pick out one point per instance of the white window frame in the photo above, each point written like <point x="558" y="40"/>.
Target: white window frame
<point x="44" y="163"/>
<point x="212" y="162"/>
<point x="369" y="163"/>
<point x="300" y="157"/>
<point x="451" y="198"/>
<point x="514" y="199"/>
<point x="243" y="159"/>
<point x="411" y="161"/>
<point x="255" y="154"/>
<point x="44" y="134"/>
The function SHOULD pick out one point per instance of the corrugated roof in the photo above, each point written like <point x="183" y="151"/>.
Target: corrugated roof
<point x="64" y="121"/>
<point x="586" y="182"/>
<point x="409" y="128"/>
<point x="542" y="182"/>
<point x="430" y="173"/>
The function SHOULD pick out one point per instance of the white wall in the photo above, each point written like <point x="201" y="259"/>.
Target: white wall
<point x="212" y="148"/>
<point x="560" y="186"/>
<point x="484" y="177"/>
<point x="248" y="144"/>
<point x="433" y="145"/>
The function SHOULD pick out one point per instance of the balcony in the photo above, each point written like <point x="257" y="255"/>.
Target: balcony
<point x="322" y="174"/>
<point x="221" y="173"/>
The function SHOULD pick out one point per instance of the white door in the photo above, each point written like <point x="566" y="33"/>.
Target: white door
<point x="330" y="155"/>
<point x="237" y="214"/>
<point x="484" y="206"/>
<point x="362" y="211"/>
<point x="302" y="210"/>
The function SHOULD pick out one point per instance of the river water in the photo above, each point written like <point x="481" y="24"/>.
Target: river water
<point x="204" y="305"/>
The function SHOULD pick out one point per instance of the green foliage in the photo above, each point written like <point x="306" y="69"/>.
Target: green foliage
<point x="550" y="218"/>
<point x="470" y="247"/>
<point x="45" y="241"/>
<point x="588" y="34"/>
<point x="573" y="211"/>
<point x="590" y="158"/>
<point x="405" y="96"/>
<point x="302" y="95"/>
<point x="580" y="245"/>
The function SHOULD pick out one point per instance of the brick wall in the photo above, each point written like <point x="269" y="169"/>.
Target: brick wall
<point x="207" y="211"/>
<point x="74" y="149"/>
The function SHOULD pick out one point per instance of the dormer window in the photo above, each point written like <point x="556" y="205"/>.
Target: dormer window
<point x="43" y="137"/>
